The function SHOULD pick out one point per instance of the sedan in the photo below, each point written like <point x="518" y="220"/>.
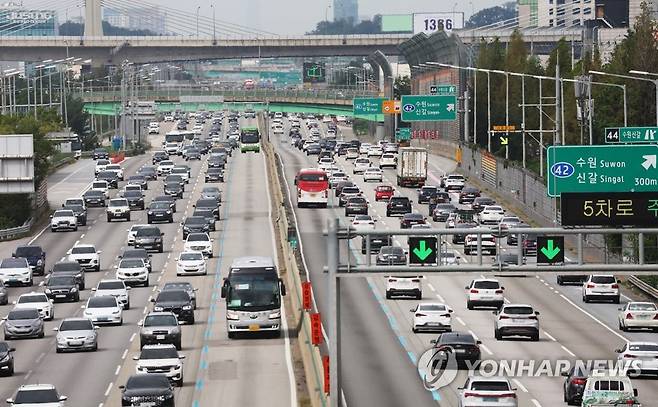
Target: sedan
<point x="363" y="222"/>
<point x="104" y="310"/>
<point x="442" y="211"/>
<point x="410" y="219"/>
<point x="177" y="302"/>
<point x="643" y="354"/>
<point x="638" y="315"/>
<point x="94" y="198"/>
<point x="191" y="263"/>
<point x="211" y="193"/>
<point x="23" y="323"/>
<point x="163" y="359"/>
<point x="464" y="344"/>
<point x="372" y="174"/>
<point x="75" y="334"/>
<point x="432" y="316"/>
<point x="214" y="175"/>
<point x="391" y="256"/>
<point x="133" y="271"/>
<point x="38" y="301"/>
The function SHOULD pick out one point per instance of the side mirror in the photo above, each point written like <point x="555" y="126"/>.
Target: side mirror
<point x="479" y="342"/>
<point x="564" y="374"/>
<point x="412" y="310"/>
<point x="283" y="288"/>
<point x="13" y="302"/>
<point x="537" y="313"/>
<point x="620" y="309"/>
<point x="152" y="299"/>
<point x="140" y="323"/>
<point x="56" y="329"/>
<point x="127" y="288"/>
<point x="10" y="401"/>
<point x="433" y="341"/>
<point x="135" y="357"/>
<point x="181" y="356"/>
<point x="467" y="287"/>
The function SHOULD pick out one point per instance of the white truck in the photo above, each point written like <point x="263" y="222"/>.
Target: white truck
<point x="412" y="167"/>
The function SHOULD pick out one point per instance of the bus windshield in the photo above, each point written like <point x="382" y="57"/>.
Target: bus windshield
<point x="174" y="138"/>
<point x="253" y="292"/>
<point x="249" y="136"/>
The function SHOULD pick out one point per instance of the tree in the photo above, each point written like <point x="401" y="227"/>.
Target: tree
<point x="401" y="86"/>
<point x="75" y="29"/>
<point x="78" y="121"/>
<point x="492" y="15"/>
<point x="342" y="27"/>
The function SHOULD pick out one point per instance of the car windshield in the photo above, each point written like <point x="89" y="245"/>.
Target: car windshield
<point x="518" y="310"/>
<point x="147" y="381"/>
<point x="131" y="263"/>
<point x="391" y="250"/>
<point x="173" y="295"/>
<point x="210" y="191"/>
<point x="102" y="185"/>
<point x="62" y="214"/>
<point x="160" y="320"/>
<point x="159" y="353"/>
<point x="487" y="285"/>
<point x="195" y="220"/>
<point x="431" y="307"/>
<point x="191" y="256"/>
<point x="30" y="299"/>
<point x="641" y="307"/>
<point x="490" y="385"/>
<point x="172" y="185"/>
<point x="456" y="338"/>
<point x="32" y="313"/>
<point x="13" y="263"/>
<point x="643" y="347"/>
<point x="36" y="396"/>
<point x="357" y="201"/>
<point x="177" y="286"/>
<point x="159" y="205"/>
<point x="198" y="237"/>
<point x="449" y="207"/>
<point x="111" y="285"/>
<point x="148" y="232"/>
<point x="103" y="301"/>
<point x="118" y="202"/>
<point x="91" y="193"/>
<point x="603" y="279"/>
<point x="67" y="266"/>
<point x="83" y="249"/>
<point x="132" y="194"/>
<point x="28" y="251"/>
<point x="350" y="190"/>
<point x="76" y="325"/>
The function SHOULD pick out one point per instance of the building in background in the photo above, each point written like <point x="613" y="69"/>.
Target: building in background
<point x="347" y="10"/>
<point x="18" y="20"/>
<point x="590" y="13"/>
<point x="137" y="18"/>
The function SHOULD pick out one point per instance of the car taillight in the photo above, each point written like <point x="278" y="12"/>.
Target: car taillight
<point x="392" y="280"/>
<point x="615" y="286"/>
<point x="415" y="280"/>
<point x="421" y="315"/>
<point x="532" y="317"/>
<point x="629" y="356"/>
<point x="655" y="316"/>
<point x="499" y="291"/>
<point x="629" y="316"/>
<point x="579" y="381"/>
<point x="590" y="286"/>
<point x="474" y="291"/>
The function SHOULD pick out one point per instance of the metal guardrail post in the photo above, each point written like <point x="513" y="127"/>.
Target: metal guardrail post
<point x="640" y="247"/>
<point x="334" y="313"/>
<point x="580" y="248"/>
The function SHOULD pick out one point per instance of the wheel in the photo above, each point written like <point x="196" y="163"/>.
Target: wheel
<point x="388" y="214"/>
<point x="146" y="283"/>
<point x="58" y="350"/>
<point x="77" y="297"/>
<point x="84" y="223"/>
<point x="585" y="298"/>
<point x="128" y="218"/>
<point x="414" y="330"/>
<point x="109" y="218"/>
<point x="95" y="348"/>
<point x="82" y="286"/>
<point x="535" y="337"/>
<point x="497" y="335"/>
<point x="98" y="268"/>
<point x="388" y="295"/>
<point x="75" y="229"/>
<point x="178" y="345"/>
<point x="560" y="282"/>
<point x="10" y="372"/>
<point x="469" y="305"/>
<point x="191" y="321"/>
<point x="179" y="382"/>
<point x="127" y="306"/>
<point x="616" y="301"/>
<point x="419" y="296"/>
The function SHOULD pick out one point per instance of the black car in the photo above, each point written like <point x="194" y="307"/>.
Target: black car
<point x="62" y="288"/>
<point x="398" y="205"/>
<point x="214" y="175"/>
<point x="529" y="244"/>
<point x="347" y="193"/>
<point x="355" y="143"/>
<point x="174" y="189"/>
<point x="181" y="126"/>
<point x="168" y="199"/>
<point x="193" y="154"/>
<point x="195" y="224"/>
<point x="376" y="243"/>
<point x="438" y="198"/>
<point x="463" y="344"/>
<point x="159" y="212"/>
<point x="216" y="161"/>
<point x="459" y="238"/>
<point x="139" y="180"/>
<point x="356" y="205"/>
<point x="425" y="193"/>
<point x="94" y="198"/>
<point x="442" y="211"/>
<point x="212" y="204"/>
<point x="206" y="213"/>
<point x="111" y="177"/>
<point x="338" y="188"/>
<point x="391" y="256"/>
<point x="153" y="390"/>
<point x="410" y="219"/>
<point x="69" y="268"/>
<point x="149" y="238"/>
<point x="513" y="236"/>
<point x="480" y="202"/>
<point x="100" y="154"/>
<point x="574" y="385"/>
<point x="137" y="254"/>
<point x="181" y="285"/>
<point x="135" y="199"/>
<point x="175" y="178"/>
<point x="80" y="213"/>
<point x="176" y="301"/>
<point x="6" y="359"/>
<point x="35" y="256"/>
<point x="506" y="259"/>
<point x="313" y="149"/>
<point x="468" y="195"/>
<point x="159" y="156"/>
<point x="149" y="172"/>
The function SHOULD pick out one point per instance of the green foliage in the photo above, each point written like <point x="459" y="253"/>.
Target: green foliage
<point x="339" y="27"/>
<point x="75" y="29"/>
<point x="78" y="121"/>
<point x="492" y="15"/>
<point x="402" y="86"/>
<point x="16" y="209"/>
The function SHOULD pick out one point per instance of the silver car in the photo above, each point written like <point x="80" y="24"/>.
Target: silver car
<point x="211" y="193"/>
<point x="24" y="323"/>
<point x="75" y="334"/>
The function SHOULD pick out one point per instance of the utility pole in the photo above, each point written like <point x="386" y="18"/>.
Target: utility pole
<point x="558" y="102"/>
<point x="466" y="116"/>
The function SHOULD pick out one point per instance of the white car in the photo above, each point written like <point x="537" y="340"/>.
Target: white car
<point x="644" y="356"/>
<point x="326" y="119"/>
<point x="388" y="160"/>
<point x="132" y="271"/>
<point x="363" y="149"/>
<point x="491" y="215"/>
<point x="638" y="315"/>
<point x="169" y="118"/>
<point x="404" y="286"/>
<point x="278" y="129"/>
<point x="516" y="320"/>
<point x="87" y="256"/>
<point x="372" y="174"/>
<point x="104" y="310"/>
<point x="132" y="232"/>
<point x="163" y="359"/>
<point x="490" y="391"/>
<point x="352" y="153"/>
<point x="363" y="222"/>
<point x="508" y="222"/>
<point x="325" y="163"/>
<point x="191" y="263"/>
<point x="118" y="208"/>
<point x="488" y="244"/>
<point x="484" y="292"/>
<point x="46" y="393"/>
<point x="375" y="151"/>
<point x="63" y="219"/>
<point x="603" y="287"/>
<point x="15" y="271"/>
<point x="360" y="165"/>
<point x="171" y="148"/>
<point x="454" y="182"/>
<point x="341" y="119"/>
<point x="101" y="186"/>
<point x="182" y="171"/>
<point x="432" y="316"/>
<point x="39" y="301"/>
<point x="449" y="258"/>
<point x="199" y="242"/>
<point x="114" y="288"/>
<point x="165" y="167"/>
<point x="101" y="165"/>
<point x="130" y="187"/>
<point x="154" y="128"/>
<point x="115" y="168"/>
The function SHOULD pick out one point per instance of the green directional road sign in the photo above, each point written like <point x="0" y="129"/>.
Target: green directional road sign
<point x="367" y="106"/>
<point x="422" y="250"/>
<point x="614" y="168"/>
<point x="443" y="89"/>
<point x="403" y="133"/>
<point x="631" y="135"/>
<point x="550" y="249"/>
<point x="419" y="108"/>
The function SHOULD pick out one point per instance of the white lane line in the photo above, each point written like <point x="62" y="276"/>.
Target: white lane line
<point x="27" y="376"/>
<point x="461" y="321"/>
<point x="520" y="386"/>
<point x="82" y="236"/>
<point x="125" y="353"/>
<point x="132" y="337"/>
<point x="507" y="301"/>
<point x="116" y="371"/>
<point x="440" y="298"/>
<point x="431" y="287"/>
<point x="536" y="403"/>
<point x="550" y="336"/>
<point x="622" y="337"/>
<point x="40" y="357"/>
<point x="109" y="387"/>
<point x="484" y="347"/>
<point x="564" y="348"/>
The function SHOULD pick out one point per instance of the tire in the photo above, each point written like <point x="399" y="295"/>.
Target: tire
<point x="42" y="334"/>
<point x="84" y="223"/>
<point x="231" y="335"/>
<point x="535" y="337"/>
<point x="58" y="350"/>
<point x="469" y="305"/>
<point x="160" y="249"/>
<point x="10" y="372"/>
<point x="419" y="296"/>
<point x="388" y="295"/>
<point x="30" y="283"/>
<point x="560" y="282"/>
<point x="191" y="321"/>
<point x="585" y="299"/>
<point x="77" y="297"/>
<point x="622" y="328"/>
<point x="616" y="301"/>
<point x="109" y="218"/>
<point x="497" y="335"/>
<point x="146" y="283"/>
<point x="414" y="330"/>
<point x="179" y="382"/>
<point x="75" y="229"/>
<point x="98" y="268"/>
<point x="128" y="218"/>
<point x="178" y="345"/>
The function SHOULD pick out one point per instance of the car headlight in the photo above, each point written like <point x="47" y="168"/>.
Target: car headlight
<point x="275" y="315"/>
<point x="187" y="307"/>
<point x="168" y="212"/>
<point x="79" y="275"/>
<point x="39" y="262"/>
<point x="90" y="337"/>
<point x="47" y="291"/>
<point x="5" y="357"/>
<point x="74" y="289"/>
<point x="157" y="309"/>
<point x="232" y="315"/>
<point x="150" y="212"/>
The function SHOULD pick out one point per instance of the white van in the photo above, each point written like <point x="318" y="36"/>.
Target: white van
<point x="611" y="391"/>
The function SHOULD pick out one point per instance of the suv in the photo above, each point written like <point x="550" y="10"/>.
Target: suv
<point x="160" y="327"/>
<point x="212" y="204"/>
<point x="100" y="153"/>
<point x="45" y="394"/>
<point x="149" y="237"/>
<point x="356" y="205"/>
<point x="516" y="320"/>
<point x="487" y="391"/>
<point x="195" y="224"/>
<point x="177" y="302"/>
<point x="406" y="286"/>
<point x="425" y="193"/>
<point x="35" y="256"/>
<point x="116" y="288"/>
<point x="16" y="271"/>
<point x="69" y="268"/>
<point x="118" y="208"/>
<point x="488" y="243"/>
<point x="153" y="390"/>
<point x="601" y="286"/>
<point x="63" y="219"/>
<point x="453" y="182"/>
<point x="159" y="211"/>
<point x="163" y="359"/>
<point x="484" y="293"/>
<point x="87" y="256"/>
<point x="398" y="205"/>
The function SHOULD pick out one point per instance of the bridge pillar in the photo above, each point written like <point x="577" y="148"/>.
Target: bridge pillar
<point x="93" y="19"/>
<point x="389" y="119"/>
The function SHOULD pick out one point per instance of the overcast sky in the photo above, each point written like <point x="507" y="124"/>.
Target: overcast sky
<point x="300" y="16"/>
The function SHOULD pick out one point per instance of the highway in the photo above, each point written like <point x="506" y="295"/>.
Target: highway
<point x="379" y="350"/>
<point x="215" y="367"/>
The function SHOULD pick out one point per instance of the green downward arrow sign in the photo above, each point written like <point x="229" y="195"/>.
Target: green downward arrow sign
<point x="550" y="251"/>
<point x="422" y="252"/>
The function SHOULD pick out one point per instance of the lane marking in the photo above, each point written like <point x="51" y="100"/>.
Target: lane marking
<point x="550" y="336"/>
<point x="568" y="351"/>
<point x="460" y="321"/>
<point x="535" y="402"/>
<point x="520" y="386"/>
<point x="622" y="337"/>
<point x="116" y="372"/>
<point x="109" y="387"/>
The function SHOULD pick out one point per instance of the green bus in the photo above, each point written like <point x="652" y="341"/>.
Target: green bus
<point x="249" y="139"/>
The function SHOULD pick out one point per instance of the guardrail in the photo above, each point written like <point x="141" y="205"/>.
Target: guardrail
<point x="642" y="286"/>
<point x="19" y="231"/>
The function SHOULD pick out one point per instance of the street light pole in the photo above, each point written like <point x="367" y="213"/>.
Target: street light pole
<point x="197" y="21"/>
